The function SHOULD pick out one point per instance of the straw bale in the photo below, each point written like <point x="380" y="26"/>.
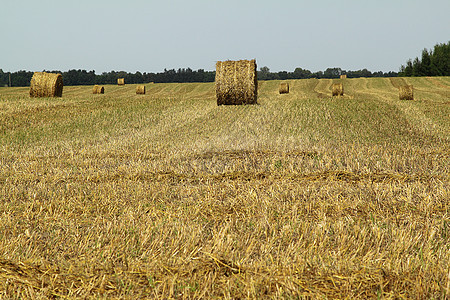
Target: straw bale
<point x="121" y="81"/>
<point x="98" y="89"/>
<point x="46" y="85"/>
<point x="140" y="90"/>
<point x="338" y="89"/>
<point x="236" y="82"/>
<point x="405" y="92"/>
<point x="284" y="88"/>
<point x="343" y="76"/>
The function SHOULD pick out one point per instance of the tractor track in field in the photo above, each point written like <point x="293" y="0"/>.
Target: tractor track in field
<point x="397" y="82"/>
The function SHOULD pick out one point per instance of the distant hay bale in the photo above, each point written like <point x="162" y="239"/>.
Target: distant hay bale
<point x="121" y="81"/>
<point x="98" y="89"/>
<point x="236" y="82"/>
<point x="140" y="90"/>
<point x="46" y="85"/>
<point x="284" y="88"/>
<point x="338" y="89"/>
<point x="405" y="92"/>
<point x="343" y="76"/>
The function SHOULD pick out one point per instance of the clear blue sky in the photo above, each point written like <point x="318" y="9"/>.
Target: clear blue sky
<point x="148" y="36"/>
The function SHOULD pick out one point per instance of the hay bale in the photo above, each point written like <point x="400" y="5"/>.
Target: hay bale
<point x="98" y="89"/>
<point x="343" y="76"/>
<point x="140" y="90"/>
<point x="405" y="92"/>
<point x="236" y="82"/>
<point x="46" y="85"/>
<point x="337" y="89"/>
<point x="120" y="81"/>
<point x="284" y="88"/>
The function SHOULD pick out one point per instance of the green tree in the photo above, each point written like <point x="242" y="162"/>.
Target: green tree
<point x="432" y="63"/>
<point x="264" y="73"/>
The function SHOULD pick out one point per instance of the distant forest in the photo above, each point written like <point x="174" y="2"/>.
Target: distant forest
<point x="83" y="77"/>
<point x="434" y="62"/>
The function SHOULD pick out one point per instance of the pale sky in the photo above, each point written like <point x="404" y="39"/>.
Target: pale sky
<point x="148" y="36"/>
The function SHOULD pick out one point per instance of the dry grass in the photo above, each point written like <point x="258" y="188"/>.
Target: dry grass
<point x="46" y="85"/>
<point x="171" y="196"/>
<point x="236" y="82"/>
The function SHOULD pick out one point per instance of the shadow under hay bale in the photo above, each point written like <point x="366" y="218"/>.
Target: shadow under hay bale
<point x="120" y="81"/>
<point x="284" y="88"/>
<point x="337" y="89"/>
<point x="98" y="89"/>
<point x="236" y="82"/>
<point x="140" y="90"/>
<point x="406" y="92"/>
<point x="46" y="85"/>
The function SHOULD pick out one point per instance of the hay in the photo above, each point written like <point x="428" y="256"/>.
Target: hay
<point x="343" y="76"/>
<point x="236" y="82"/>
<point x="46" y="85"/>
<point x="284" y="88"/>
<point x="338" y="89"/>
<point x="98" y="89"/>
<point x="140" y="90"/>
<point x="120" y="81"/>
<point x="405" y="92"/>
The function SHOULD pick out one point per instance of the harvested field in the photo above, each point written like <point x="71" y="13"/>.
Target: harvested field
<point x="171" y="196"/>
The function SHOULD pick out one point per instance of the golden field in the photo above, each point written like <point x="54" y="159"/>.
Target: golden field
<point x="167" y="195"/>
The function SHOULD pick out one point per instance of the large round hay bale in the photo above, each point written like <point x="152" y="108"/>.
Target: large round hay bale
<point x="337" y="89"/>
<point x="343" y="76"/>
<point x="284" y="88"/>
<point x="140" y="90"/>
<point x="46" y="85"/>
<point x="236" y="82"/>
<point x="120" y="81"/>
<point x="405" y="92"/>
<point x="98" y="89"/>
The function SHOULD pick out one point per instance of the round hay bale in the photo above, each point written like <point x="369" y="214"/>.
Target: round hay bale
<point x="284" y="88"/>
<point x="236" y="82"/>
<point x="337" y="89"/>
<point x="120" y="81"/>
<point x="140" y="90"/>
<point x="98" y="89"/>
<point x="343" y="76"/>
<point x="46" y="85"/>
<point x="405" y="92"/>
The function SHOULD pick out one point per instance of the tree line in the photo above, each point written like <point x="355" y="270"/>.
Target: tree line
<point x="435" y="62"/>
<point x="330" y="73"/>
<point x="83" y="77"/>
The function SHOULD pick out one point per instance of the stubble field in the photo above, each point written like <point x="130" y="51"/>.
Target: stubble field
<point x="167" y="195"/>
